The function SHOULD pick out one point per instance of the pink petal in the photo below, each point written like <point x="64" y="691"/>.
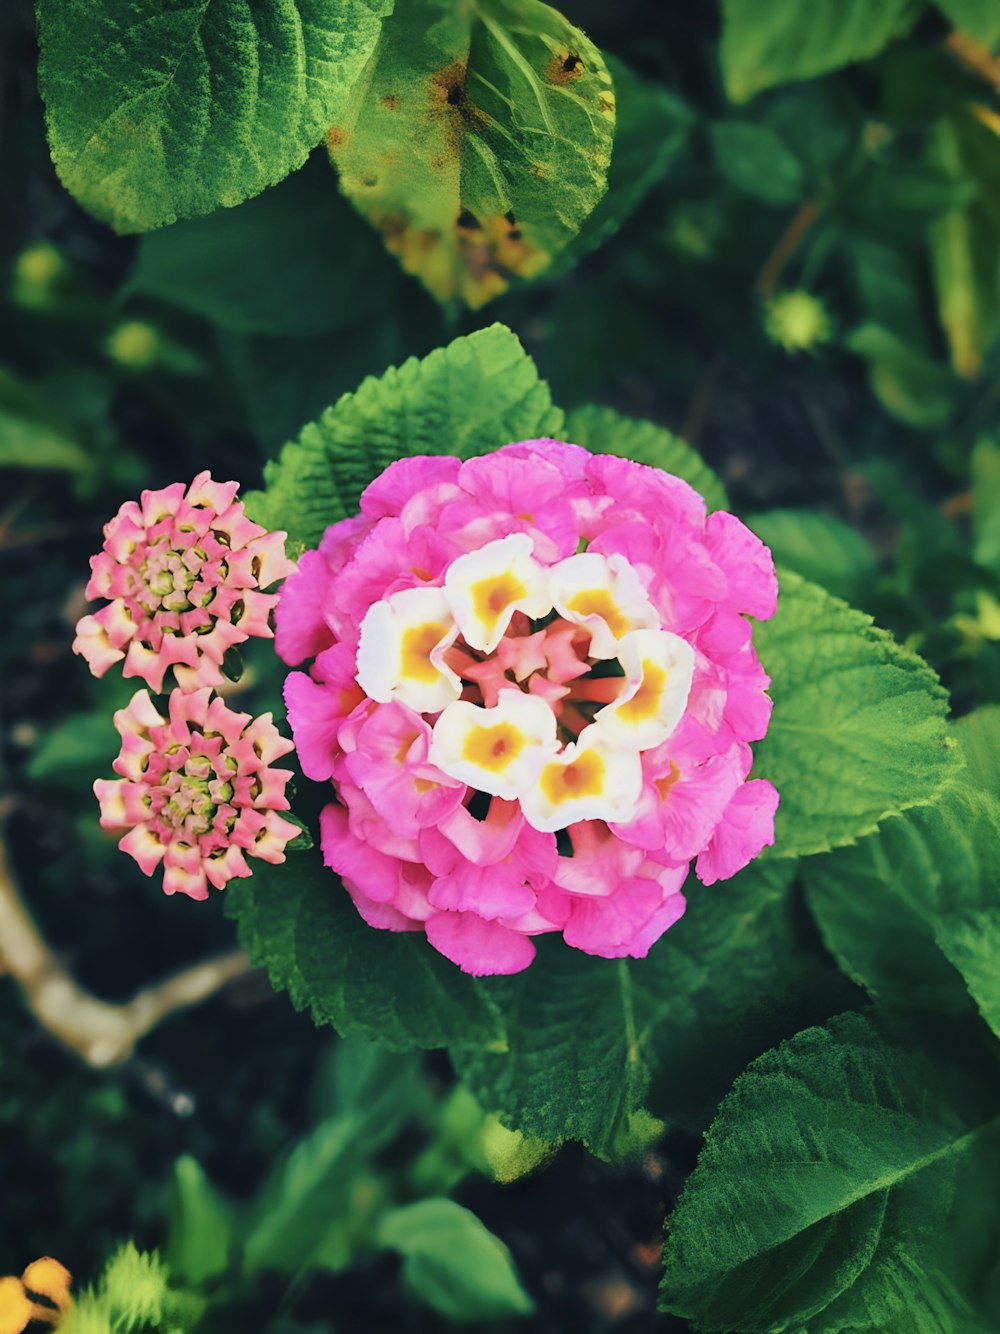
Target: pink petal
<point x="484" y="949"/>
<point x="746" y="828"/>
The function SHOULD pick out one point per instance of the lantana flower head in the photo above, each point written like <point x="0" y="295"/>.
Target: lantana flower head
<point x="183" y="569"/>
<point x="197" y="792"/>
<point x="533" y="691"/>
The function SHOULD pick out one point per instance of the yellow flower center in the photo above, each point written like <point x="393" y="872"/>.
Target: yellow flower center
<point x="491" y="597"/>
<point x="646" y="700"/>
<point x="584" y="777"/>
<point x="493" y="748"/>
<point x="415" y="651"/>
<point x="599" y="602"/>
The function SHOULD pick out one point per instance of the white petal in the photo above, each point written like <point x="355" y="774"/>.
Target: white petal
<point x="605" y="594"/>
<point x="486" y="587"/>
<point x="499" y="750"/>
<point x="590" y="780"/>
<point x="658" y="671"/>
<point x="400" y="653"/>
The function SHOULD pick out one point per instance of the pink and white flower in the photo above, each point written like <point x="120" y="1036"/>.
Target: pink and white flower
<point x="184" y="570"/>
<point x="533" y="692"/>
<point x="197" y="792"/>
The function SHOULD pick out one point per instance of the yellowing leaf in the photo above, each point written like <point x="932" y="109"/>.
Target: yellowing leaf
<point x="478" y="141"/>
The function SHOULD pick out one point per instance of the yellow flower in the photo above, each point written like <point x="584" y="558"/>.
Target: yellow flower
<point x="41" y="1293"/>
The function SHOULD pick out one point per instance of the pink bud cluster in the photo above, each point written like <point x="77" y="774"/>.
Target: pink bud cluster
<point x="184" y="569"/>
<point x="197" y="792"/>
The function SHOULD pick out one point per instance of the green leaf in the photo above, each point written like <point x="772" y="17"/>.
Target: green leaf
<point x="294" y="262"/>
<point x="980" y="19"/>
<point x="986" y="503"/>
<point x="163" y="109"/>
<point x="912" y="914"/>
<point x="825" y="1196"/>
<point x="607" y="432"/>
<point x="298" y="922"/>
<point x="383" y="1089"/>
<point x="782" y="40"/>
<point x="906" y="381"/>
<point x="306" y="1197"/>
<point x="725" y="979"/>
<point x="201" y="1227"/>
<point x="453" y="1263"/>
<point x="964" y="242"/>
<point x="83" y="745"/>
<point x="858" y="731"/>
<point x="474" y="395"/>
<point x="478" y="141"/>
<point x="755" y="160"/>
<point x="819" y="547"/>
<point x="320" y="1202"/>
<point x="30" y="438"/>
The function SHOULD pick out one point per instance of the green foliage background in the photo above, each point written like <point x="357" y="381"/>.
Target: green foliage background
<point x="755" y="244"/>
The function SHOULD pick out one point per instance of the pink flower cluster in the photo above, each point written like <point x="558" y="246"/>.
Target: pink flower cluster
<point x="196" y="791"/>
<point x="183" y="569"/>
<point x="533" y="690"/>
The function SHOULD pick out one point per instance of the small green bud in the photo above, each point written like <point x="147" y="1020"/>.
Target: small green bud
<point x="796" y="321"/>
<point x="36" y="272"/>
<point x="134" y="344"/>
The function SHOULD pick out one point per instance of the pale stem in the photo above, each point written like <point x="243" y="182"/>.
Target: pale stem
<point x="102" y="1034"/>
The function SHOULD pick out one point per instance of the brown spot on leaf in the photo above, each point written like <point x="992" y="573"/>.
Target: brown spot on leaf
<point x="468" y="221"/>
<point x="564" y="67"/>
<point x="450" y="101"/>
<point x="390" y="102"/>
<point x="335" y="137"/>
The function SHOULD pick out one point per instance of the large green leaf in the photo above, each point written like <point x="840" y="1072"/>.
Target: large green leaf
<point x="774" y="42"/>
<point x="825" y="1197"/>
<point x="472" y="396"/>
<point x="858" y="731"/>
<point x="819" y="547"/>
<point x="478" y="141"/>
<point x="593" y="1042"/>
<point x="165" y="109"/>
<point x="294" y="262"/>
<point x="607" y="432"/>
<point x="299" y="923"/>
<point x="913" y="913"/>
